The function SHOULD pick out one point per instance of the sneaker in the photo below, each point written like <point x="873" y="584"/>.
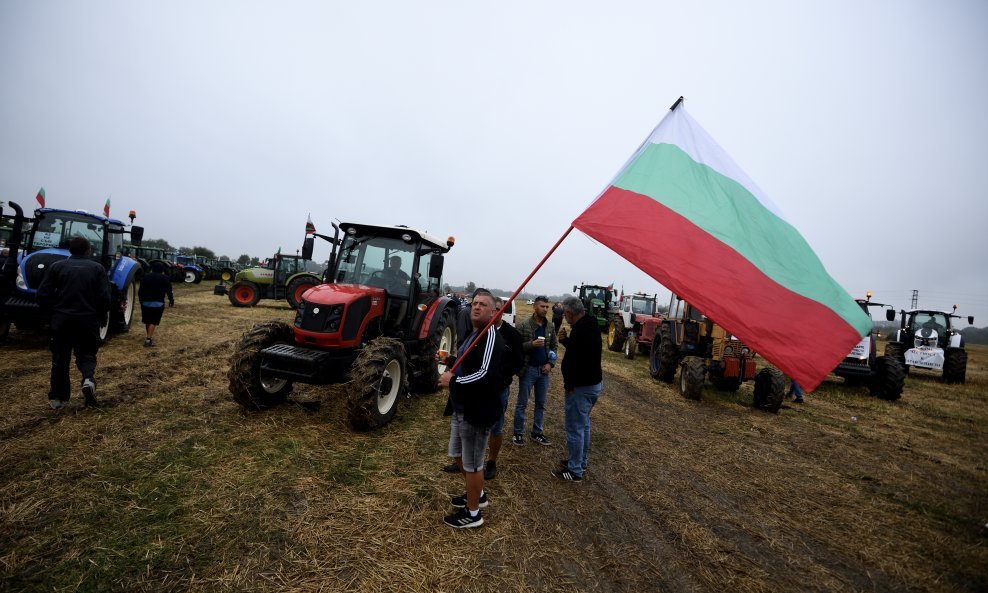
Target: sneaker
<point x="89" y="391"/>
<point x="518" y="440"/>
<point x="460" y="502"/>
<point x="490" y="472"/>
<point x="461" y="519"/>
<point x="148" y="342"/>
<point x="565" y="474"/>
<point x="56" y="404"/>
<point x="452" y="468"/>
<point x="564" y="463"/>
<point x="798" y="400"/>
<point x="540" y="439"/>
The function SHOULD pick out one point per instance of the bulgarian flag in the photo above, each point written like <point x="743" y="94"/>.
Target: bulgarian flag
<point x="684" y="213"/>
<point x="309" y="227"/>
<point x="41" y="197"/>
<point x="106" y="208"/>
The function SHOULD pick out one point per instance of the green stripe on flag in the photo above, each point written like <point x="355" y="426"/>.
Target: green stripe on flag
<point x="729" y="212"/>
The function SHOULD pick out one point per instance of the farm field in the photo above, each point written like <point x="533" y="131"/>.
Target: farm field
<point x="170" y="486"/>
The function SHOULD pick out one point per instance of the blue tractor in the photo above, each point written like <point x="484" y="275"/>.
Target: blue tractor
<point x="45" y="241"/>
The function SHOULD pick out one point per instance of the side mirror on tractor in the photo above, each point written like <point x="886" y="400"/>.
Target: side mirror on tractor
<point x="307" y="246"/>
<point x="436" y="266"/>
<point x="890" y="314"/>
<point x="970" y="319"/>
<point x="136" y="235"/>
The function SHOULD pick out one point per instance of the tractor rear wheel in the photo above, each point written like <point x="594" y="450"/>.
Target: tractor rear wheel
<point x="297" y="287"/>
<point x="664" y="356"/>
<point x="104" y="328"/>
<point x="630" y="346"/>
<point x="425" y="370"/>
<point x="954" y="365"/>
<point x="889" y="377"/>
<point x="244" y="294"/>
<point x="377" y="378"/>
<point x="190" y="276"/>
<point x="691" y="377"/>
<point x="250" y="387"/>
<point x="770" y="390"/>
<point x="124" y="315"/>
<point x="616" y="335"/>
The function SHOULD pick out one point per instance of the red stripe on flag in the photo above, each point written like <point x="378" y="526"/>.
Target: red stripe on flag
<point x="805" y="339"/>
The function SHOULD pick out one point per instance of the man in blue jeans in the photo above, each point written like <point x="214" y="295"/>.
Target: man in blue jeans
<point x="582" y="382"/>
<point x="538" y="340"/>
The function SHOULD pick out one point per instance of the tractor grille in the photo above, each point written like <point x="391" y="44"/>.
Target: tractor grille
<point x="37" y="266"/>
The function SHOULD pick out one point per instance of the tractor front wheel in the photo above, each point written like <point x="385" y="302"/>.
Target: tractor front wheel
<point x="377" y="378"/>
<point x="770" y="390"/>
<point x="691" y="375"/>
<point x="190" y="276"/>
<point x="297" y="287"/>
<point x="889" y="378"/>
<point x="954" y="365"/>
<point x="664" y="357"/>
<point x="630" y="346"/>
<point x="244" y="294"/>
<point x="250" y="386"/>
<point x="616" y="335"/>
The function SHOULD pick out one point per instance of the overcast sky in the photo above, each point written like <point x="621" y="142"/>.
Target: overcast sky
<point x="224" y="124"/>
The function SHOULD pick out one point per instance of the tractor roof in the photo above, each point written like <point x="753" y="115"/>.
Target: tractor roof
<point x="98" y="217"/>
<point x="397" y="231"/>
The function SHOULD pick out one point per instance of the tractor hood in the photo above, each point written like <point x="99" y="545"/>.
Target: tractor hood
<point x="336" y="315"/>
<point x="342" y="294"/>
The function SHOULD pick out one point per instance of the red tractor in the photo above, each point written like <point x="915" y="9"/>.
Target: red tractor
<point x="376" y="326"/>
<point x="633" y="325"/>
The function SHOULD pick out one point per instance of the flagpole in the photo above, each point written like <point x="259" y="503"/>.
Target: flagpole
<point x="510" y="300"/>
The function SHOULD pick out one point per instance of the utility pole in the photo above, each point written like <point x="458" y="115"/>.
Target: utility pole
<point x="915" y="299"/>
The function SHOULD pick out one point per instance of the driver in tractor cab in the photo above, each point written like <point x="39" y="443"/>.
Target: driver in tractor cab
<point x="396" y="278"/>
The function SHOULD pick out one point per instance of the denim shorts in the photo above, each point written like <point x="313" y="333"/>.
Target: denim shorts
<point x="468" y="442"/>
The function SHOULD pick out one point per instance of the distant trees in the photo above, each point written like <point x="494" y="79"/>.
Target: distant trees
<point x="204" y="251"/>
<point x="471" y="287"/>
<point x="159" y="244"/>
<point x="243" y="260"/>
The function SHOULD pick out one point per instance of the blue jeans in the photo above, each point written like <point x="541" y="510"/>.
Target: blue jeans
<point x="498" y="427"/>
<point x="531" y="376"/>
<point x="579" y="402"/>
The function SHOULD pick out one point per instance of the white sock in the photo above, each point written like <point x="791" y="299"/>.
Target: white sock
<point x="474" y="513"/>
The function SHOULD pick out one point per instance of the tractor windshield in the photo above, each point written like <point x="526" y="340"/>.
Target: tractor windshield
<point x="386" y="262"/>
<point x="642" y="306"/>
<point x="56" y="229"/>
<point x="928" y="320"/>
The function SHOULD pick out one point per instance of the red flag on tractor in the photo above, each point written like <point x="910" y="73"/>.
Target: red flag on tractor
<point x="41" y="197"/>
<point x="309" y="227"/>
<point x="106" y="208"/>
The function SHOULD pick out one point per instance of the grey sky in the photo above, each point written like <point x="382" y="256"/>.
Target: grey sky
<point x="225" y="123"/>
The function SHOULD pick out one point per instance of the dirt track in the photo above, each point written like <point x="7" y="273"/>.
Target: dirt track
<point x="170" y="486"/>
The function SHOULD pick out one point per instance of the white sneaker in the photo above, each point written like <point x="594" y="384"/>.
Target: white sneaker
<point x="89" y="391"/>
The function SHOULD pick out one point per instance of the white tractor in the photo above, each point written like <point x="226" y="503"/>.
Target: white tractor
<point x="927" y="340"/>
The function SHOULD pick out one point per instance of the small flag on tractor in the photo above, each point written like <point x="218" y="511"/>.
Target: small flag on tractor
<point x="106" y="208"/>
<point x="309" y="227"/>
<point x="41" y="197"/>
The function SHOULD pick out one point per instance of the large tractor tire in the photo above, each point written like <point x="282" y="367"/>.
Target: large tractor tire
<point x="616" y="335"/>
<point x="378" y="377"/>
<point x="770" y="390"/>
<point x="889" y="378"/>
<point x="244" y="294"/>
<point x="630" y="346"/>
<point x="691" y="376"/>
<point x="123" y="314"/>
<point x="248" y="384"/>
<point x="191" y="276"/>
<point x="104" y="328"/>
<point x="425" y="370"/>
<point x="227" y="274"/>
<point x="664" y="356"/>
<point x="297" y="287"/>
<point x="955" y="365"/>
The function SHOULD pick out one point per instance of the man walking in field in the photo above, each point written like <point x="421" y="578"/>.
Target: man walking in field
<point x="476" y="403"/>
<point x="582" y="382"/>
<point x="77" y="292"/>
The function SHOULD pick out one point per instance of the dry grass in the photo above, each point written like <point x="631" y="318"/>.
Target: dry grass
<point x="170" y="486"/>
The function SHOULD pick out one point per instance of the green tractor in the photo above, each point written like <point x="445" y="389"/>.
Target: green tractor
<point x="282" y="277"/>
<point x="599" y="301"/>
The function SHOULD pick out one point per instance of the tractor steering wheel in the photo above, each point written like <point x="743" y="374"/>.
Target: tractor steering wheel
<point x="379" y="275"/>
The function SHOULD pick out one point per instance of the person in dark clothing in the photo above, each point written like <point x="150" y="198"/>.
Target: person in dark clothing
<point x="476" y="403"/>
<point x="557" y="315"/>
<point x="154" y="288"/>
<point x="511" y="362"/>
<point x="582" y="383"/>
<point x="77" y="292"/>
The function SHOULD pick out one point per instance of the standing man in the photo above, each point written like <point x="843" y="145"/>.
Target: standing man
<point x="582" y="382"/>
<point x="511" y="364"/>
<point x="557" y="316"/>
<point x="476" y="403"/>
<point x="77" y="292"/>
<point x="538" y="340"/>
<point x="154" y="288"/>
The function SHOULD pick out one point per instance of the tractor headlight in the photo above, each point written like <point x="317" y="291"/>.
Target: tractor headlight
<point x="20" y="279"/>
<point x="745" y="351"/>
<point x="728" y="349"/>
<point x="335" y="318"/>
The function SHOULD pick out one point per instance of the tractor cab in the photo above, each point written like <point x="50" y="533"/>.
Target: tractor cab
<point x="928" y="339"/>
<point x="285" y="266"/>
